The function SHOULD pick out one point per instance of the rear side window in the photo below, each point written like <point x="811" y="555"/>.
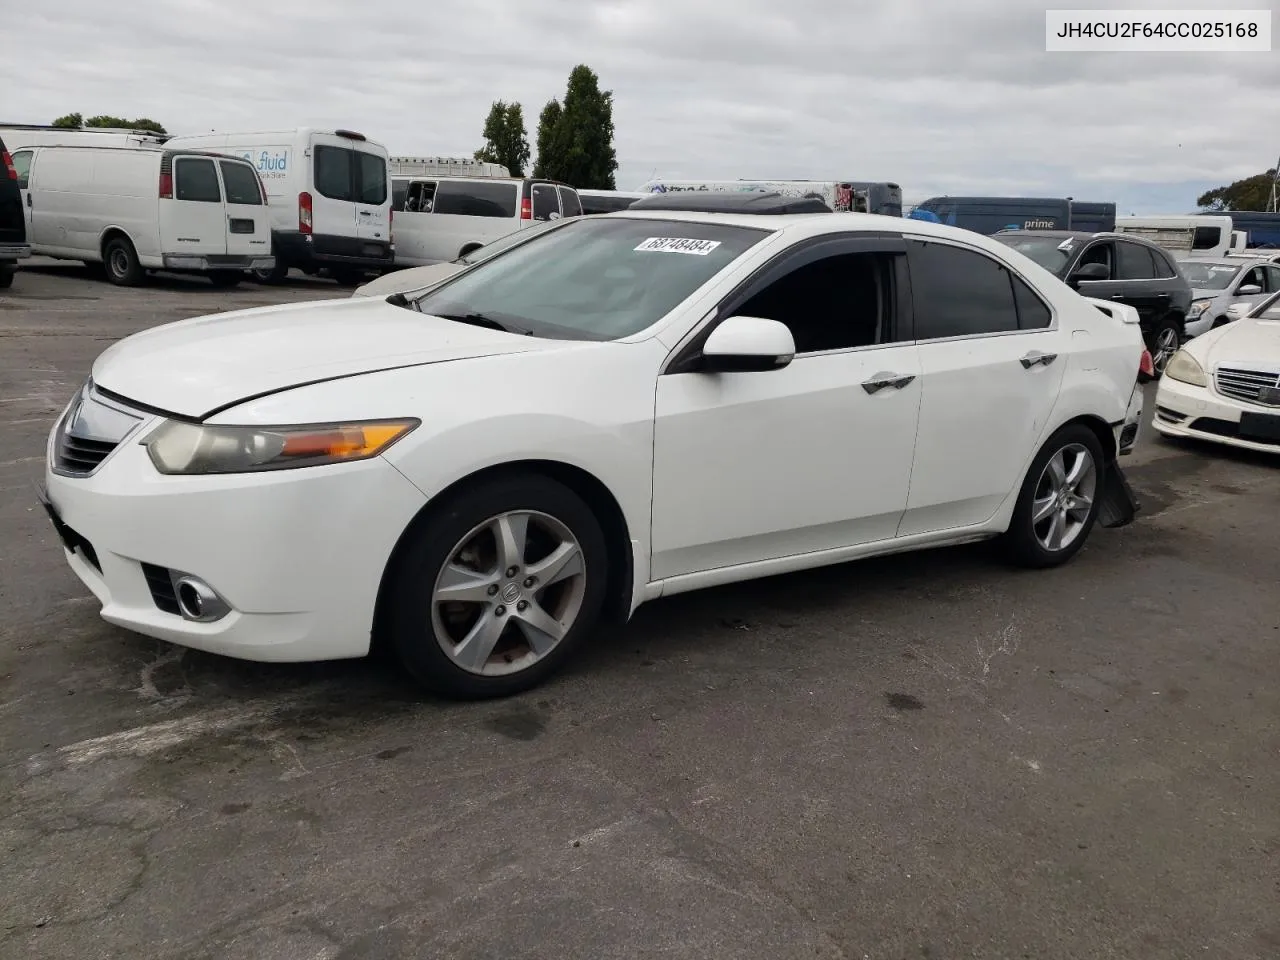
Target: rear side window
<point x="372" y="181"/>
<point x="1164" y="269"/>
<point x="958" y="293"/>
<point x="475" y="199"/>
<point x="545" y="203"/>
<point x="333" y="172"/>
<point x="241" y="183"/>
<point x="569" y="203"/>
<point x="1206" y="238"/>
<point x="22" y="164"/>
<point x="1033" y="314"/>
<point x="399" y="189"/>
<point x="1133" y="262"/>
<point x="195" y="179"/>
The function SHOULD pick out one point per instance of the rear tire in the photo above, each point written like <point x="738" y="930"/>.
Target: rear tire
<point x="1164" y="342"/>
<point x="225" y="279"/>
<point x="348" y="277"/>
<point x="453" y="585"/>
<point x="6" y="277"/>
<point x="121" y="262"/>
<point x="1051" y="522"/>
<point x="275" y="275"/>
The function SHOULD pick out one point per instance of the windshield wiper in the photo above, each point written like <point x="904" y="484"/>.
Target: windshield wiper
<point x="480" y="320"/>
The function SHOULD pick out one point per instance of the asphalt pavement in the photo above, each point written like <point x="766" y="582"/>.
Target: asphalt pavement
<point x="923" y="757"/>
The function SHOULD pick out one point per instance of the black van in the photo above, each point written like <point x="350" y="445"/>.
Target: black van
<point x="13" y="227"/>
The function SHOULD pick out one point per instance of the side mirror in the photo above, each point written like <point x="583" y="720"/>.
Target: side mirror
<point x="1238" y="311"/>
<point x="1248" y="290"/>
<point x="748" y="344"/>
<point x="1090" y="272"/>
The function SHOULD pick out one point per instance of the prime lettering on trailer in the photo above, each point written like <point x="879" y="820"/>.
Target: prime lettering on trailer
<point x="698" y="248"/>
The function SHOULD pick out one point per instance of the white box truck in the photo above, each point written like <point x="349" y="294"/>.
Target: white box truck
<point x="329" y="194"/>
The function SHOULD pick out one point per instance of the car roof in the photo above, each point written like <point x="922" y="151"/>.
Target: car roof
<point x="758" y="203"/>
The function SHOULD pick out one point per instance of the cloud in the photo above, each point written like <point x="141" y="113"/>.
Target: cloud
<point x="938" y="96"/>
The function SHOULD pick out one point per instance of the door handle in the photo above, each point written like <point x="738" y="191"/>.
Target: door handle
<point x="1035" y="356"/>
<point x="28" y="199"/>
<point x="882" y="380"/>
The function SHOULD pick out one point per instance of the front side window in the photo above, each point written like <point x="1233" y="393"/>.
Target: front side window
<point x="196" y="180"/>
<point x="371" y="179"/>
<point x="333" y="172"/>
<point x="1273" y="279"/>
<point x="22" y="164"/>
<point x="241" y="183"/>
<point x="958" y="292"/>
<point x="592" y="279"/>
<point x="474" y="198"/>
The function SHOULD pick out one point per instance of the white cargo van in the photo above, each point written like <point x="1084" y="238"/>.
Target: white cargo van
<point x="144" y="208"/>
<point x="329" y="196"/>
<point x="440" y="219"/>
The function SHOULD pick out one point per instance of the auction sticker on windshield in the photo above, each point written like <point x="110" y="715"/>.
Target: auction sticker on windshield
<point x="699" y="248"/>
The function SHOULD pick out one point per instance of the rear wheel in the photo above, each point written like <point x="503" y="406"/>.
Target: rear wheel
<point x="226" y="279"/>
<point x="6" y="276"/>
<point x="275" y="275"/>
<point x="121" y="262"/>
<point x="496" y="588"/>
<point x="1059" y="499"/>
<point x="347" y="277"/>
<point x="1163" y="343"/>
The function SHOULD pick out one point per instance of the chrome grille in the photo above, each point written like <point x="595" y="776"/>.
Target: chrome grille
<point x="1240" y="383"/>
<point x="92" y="427"/>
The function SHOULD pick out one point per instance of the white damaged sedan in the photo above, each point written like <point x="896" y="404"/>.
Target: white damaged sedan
<point x="616" y="409"/>
<point x="1224" y="386"/>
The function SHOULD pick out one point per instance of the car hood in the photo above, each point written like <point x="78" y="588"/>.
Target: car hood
<point x="195" y="367"/>
<point x="1246" y="342"/>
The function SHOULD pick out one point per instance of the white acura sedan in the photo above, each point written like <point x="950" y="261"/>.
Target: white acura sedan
<point x="1224" y="386"/>
<point x="621" y="408"/>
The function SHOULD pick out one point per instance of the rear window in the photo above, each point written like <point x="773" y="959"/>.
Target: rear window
<point x="569" y="202"/>
<point x="333" y="172"/>
<point x="241" y="183"/>
<point x="473" y="199"/>
<point x="545" y="204"/>
<point x="196" y="180"/>
<point x="373" y="178"/>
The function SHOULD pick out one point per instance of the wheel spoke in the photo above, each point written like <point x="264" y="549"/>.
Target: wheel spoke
<point x="1079" y="468"/>
<point x="1057" y="472"/>
<point x="1040" y="509"/>
<point x="542" y="630"/>
<point x="1057" y="530"/>
<point x="461" y="585"/>
<point x="475" y="649"/>
<point x="511" y="532"/>
<point x="1078" y="506"/>
<point x="563" y="562"/>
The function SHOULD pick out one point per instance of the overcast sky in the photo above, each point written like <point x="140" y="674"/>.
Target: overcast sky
<point x="940" y="96"/>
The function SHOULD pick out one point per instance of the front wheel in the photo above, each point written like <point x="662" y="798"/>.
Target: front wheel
<point x="1163" y="344"/>
<point x="513" y="574"/>
<point x="1059" y="499"/>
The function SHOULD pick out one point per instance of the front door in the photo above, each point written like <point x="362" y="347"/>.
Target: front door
<point x="195" y="220"/>
<point x="991" y="364"/>
<point x="22" y="166"/>
<point x="814" y="456"/>
<point x="248" y="220"/>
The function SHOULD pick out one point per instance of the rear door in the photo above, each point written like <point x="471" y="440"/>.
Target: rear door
<point x="333" y="176"/>
<point x="373" y="212"/>
<point x="248" y="220"/>
<point x="570" y="205"/>
<point x="546" y="204"/>
<point x="195" y="220"/>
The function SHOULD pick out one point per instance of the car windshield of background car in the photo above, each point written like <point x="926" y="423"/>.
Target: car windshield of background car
<point x="1050" y="252"/>
<point x="593" y="279"/>
<point x="1208" y="276"/>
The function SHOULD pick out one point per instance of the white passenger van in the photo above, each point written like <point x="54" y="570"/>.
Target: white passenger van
<point x="329" y="198"/>
<point x="443" y="218"/>
<point x="19" y="136"/>
<point x="144" y="208"/>
<point x="1197" y="237"/>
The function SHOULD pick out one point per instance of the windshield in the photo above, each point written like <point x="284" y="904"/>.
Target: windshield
<point x="1207" y="275"/>
<point x="503" y="243"/>
<point x="1051" y="253"/>
<point x="597" y="279"/>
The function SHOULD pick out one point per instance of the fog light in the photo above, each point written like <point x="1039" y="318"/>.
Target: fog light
<point x="198" y="601"/>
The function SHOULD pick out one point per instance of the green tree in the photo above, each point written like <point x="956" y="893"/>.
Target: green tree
<point x="505" y="139"/>
<point x="575" y="140"/>
<point x="75" y="121"/>
<point x="1251" y="193"/>
<point x="548" y="124"/>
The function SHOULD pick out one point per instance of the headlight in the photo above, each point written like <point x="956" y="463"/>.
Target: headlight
<point x="1182" y="366"/>
<point x="193" y="448"/>
<point x="1198" y="307"/>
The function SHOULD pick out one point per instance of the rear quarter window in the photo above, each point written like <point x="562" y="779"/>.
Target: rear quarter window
<point x="473" y="199"/>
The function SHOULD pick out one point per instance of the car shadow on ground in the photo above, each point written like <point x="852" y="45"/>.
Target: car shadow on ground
<point x="176" y="282"/>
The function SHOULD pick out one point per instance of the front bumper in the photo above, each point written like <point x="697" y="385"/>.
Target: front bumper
<point x="14" y="251"/>
<point x="183" y="261"/>
<point x="297" y="555"/>
<point x="1184" y="410"/>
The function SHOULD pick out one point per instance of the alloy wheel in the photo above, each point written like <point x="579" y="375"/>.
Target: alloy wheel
<point x="1064" y="497"/>
<point x="1166" y="346"/>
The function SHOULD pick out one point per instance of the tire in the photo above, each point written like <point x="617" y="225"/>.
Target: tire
<point x="275" y="275"/>
<point x="1027" y="541"/>
<point x="1163" y="343"/>
<point x="6" y="277"/>
<point x="461" y="530"/>
<point x="121" y="262"/>
<point x="226" y="279"/>
<point x="348" y="277"/>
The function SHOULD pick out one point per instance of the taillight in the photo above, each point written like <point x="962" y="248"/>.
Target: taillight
<point x="1147" y="365"/>
<point x="166" y="186"/>
<point x="8" y="164"/>
<point x="526" y="209"/>
<point x="304" y="212"/>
